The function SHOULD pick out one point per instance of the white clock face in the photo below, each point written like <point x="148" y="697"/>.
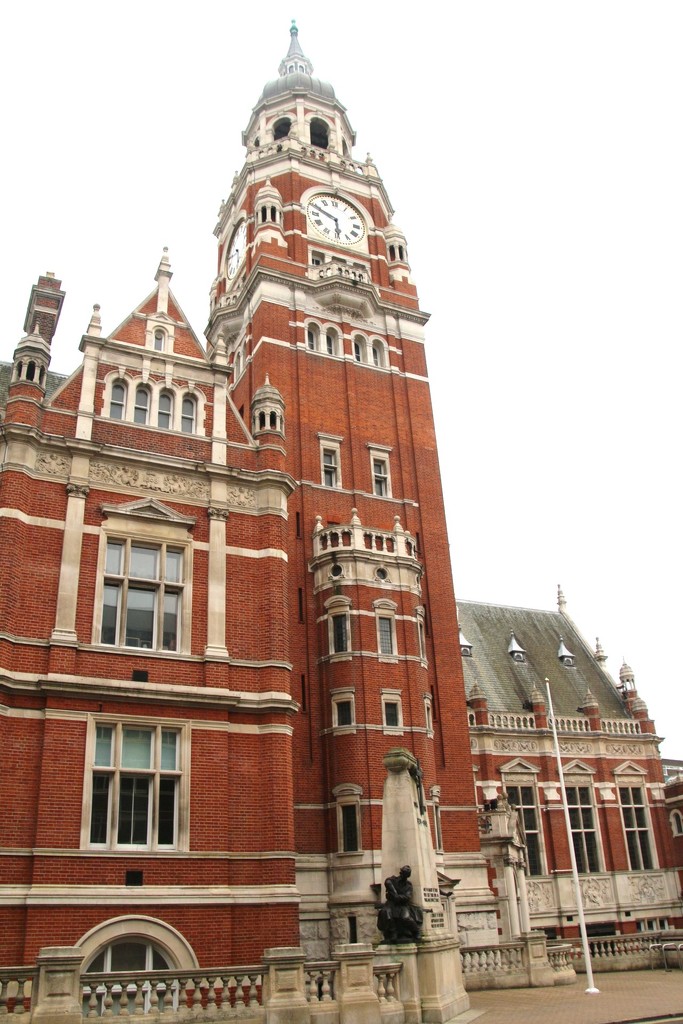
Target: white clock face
<point x="335" y="219"/>
<point x="238" y="248"/>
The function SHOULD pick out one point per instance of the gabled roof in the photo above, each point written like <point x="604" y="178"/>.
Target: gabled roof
<point x="507" y="683"/>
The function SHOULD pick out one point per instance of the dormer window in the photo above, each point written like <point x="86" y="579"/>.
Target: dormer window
<point x="515" y="649"/>
<point x="465" y="645"/>
<point x="565" y="656"/>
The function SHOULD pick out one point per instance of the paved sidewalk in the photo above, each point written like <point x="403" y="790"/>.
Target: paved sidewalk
<point x="624" y="996"/>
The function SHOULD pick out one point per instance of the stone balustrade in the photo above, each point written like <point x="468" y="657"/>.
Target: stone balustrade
<point x="16" y="989"/>
<point x="355" y="274"/>
<point x="620" y="726"/>
<point x="266" y="993"/>
<point x="565" y="723"/>
<point x="623" y="952"/>
<point x="356" y="537"/>
<point x="223" y="993"/>
<point x="511" y="721"/>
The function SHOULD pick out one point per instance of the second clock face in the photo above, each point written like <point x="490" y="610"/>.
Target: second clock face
<point x="335" y="219"/>
<point x="238" y="248"/>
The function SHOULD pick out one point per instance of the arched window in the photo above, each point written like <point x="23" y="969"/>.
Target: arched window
<point x="392" y="252"/>
<point x="377" y="354"/>
<point x="189" y="415"/>
<point x="281" y="128"/>
<point x="312" y="336"/>
<point x="359" y="349"/>
<point x="141" y="411"/>
<point x="264" y="214"/>
<point x="262" y="421"/>
<point x="238" y="364"/>
<point x="159" y="338"/>
<point x="677" y="823"/>
<point x="319" y="133"/>
<point x="31" y="371"/>
<point x="273" y="214"/>
<point x="117" y="403"/>
<point x="273" y="421"/>
<point x="165" y="410"/>
<point x="134" y="954"/>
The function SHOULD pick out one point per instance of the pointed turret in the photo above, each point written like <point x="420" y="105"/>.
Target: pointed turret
<point x="163" y="277"/>
<point x="31" y="359"/>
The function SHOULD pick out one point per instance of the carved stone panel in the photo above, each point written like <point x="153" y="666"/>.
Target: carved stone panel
<point x="540" y="896"/>
<point x="596" y="892"/>
<point x="647" y="888"/>
<point x="148" y="480"/>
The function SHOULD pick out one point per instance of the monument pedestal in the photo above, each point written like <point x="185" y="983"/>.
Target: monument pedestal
<point x="431" y="985"/>
<point x="442" y="994"/>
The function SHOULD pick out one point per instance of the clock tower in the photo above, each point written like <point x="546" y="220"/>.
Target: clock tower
<point x="315" y="305"/>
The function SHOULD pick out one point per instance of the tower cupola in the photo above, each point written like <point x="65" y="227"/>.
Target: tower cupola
<point x="298" y="109"/>
<point x="267" y="411"/>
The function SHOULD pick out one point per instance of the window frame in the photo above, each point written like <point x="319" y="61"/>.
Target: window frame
<point x="347" y="796"/>
<point x="390" y="697"/>
<point x="146" y="523"/>
<point x="142" y="389"/>
<point x="116" y="770"/>
<point x="342" y="697"/>
<point x="385" y="611"/>
<point x="536" y="859"/>
<point x="118" y="404"/>
<point x="168" y="395"/>
<point x="123" y="583"/>
<point x="581" y="846"/>
<point x="330" y="446"/>
<point x="380" y="456"/>
<point x="637" y="834"/>
<point x="191" y="401"/>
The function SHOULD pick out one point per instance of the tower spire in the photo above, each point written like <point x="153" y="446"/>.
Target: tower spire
<point x="295" y="61"/>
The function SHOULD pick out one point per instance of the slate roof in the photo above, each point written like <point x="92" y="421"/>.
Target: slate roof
<point x="507" y="684"/>
<point x="54" y="380"/>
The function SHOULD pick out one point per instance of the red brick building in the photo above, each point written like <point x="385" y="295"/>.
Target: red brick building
<point x="225" y="590"/>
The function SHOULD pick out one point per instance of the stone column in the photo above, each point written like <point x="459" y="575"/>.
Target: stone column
<point x="284" y="996"/>
<point x="57" y="996"/>
<point x="524" y="918"/>
<point x="356" y="998"/>
<point x="64" y="631"/>
<point x="511" y="889"/>
<point x="215" y="631"/>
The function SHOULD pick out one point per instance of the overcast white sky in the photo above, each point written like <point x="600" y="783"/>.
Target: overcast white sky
<point x="534" y="155"/>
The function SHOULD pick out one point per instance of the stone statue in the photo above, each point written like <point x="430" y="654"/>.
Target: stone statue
<point x="399" y="919"/>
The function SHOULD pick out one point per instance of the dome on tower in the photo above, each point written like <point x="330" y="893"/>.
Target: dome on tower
<point x="296" y="74"/>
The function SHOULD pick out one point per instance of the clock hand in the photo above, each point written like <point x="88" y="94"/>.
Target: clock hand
<point x="326" y="214"/>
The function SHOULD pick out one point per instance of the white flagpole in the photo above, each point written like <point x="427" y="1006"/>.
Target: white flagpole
<point x="592" y="990"/>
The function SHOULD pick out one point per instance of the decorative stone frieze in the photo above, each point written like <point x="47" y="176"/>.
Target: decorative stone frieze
<point x="515" y="746"/>
<point x="148" y="480"/>
<point x="648" y="888"/>
<point x="53" y="464"/>
<point x="595" y="892"/>
<point x="241" y="497"/>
